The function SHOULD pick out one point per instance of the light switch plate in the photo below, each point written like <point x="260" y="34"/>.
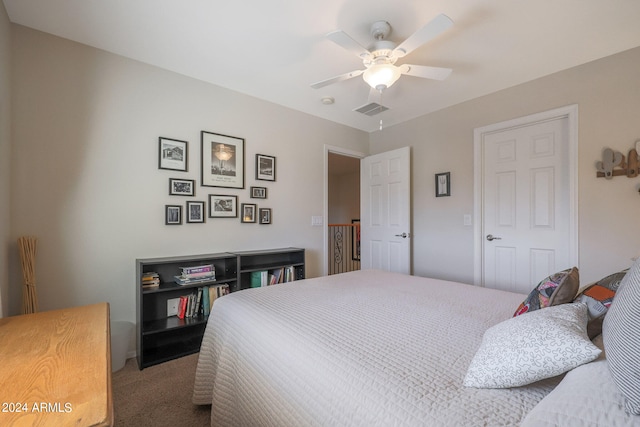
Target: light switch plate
<point x="172" y="307"/>
<point x="316" y="221"/>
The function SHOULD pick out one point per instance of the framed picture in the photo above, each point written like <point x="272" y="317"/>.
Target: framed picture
<point x="172" y="214"/>
<point x="258" y="192"/>
<point x="265" y="167"/>
<point x="443" y="184"/>
<point x="248" y="212"/>
<point x="265" y="215"/>
<point x="182" y="187"/>
<point x="222" y="160"/>
<point x="172" y="154"/>
<point x="223" y="206"/>
<point x="355" y="240"/>
<point x="195" y="211"/>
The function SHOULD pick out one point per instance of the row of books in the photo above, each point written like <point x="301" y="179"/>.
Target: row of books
<point x="272" y="277"/>
<point x="196" y="274"/>
<point x="199" y="303"/>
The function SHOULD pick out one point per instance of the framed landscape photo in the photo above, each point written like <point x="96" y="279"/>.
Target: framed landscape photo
<point x="248" y="212"/>
<point x="265" y="167"/>
<point x="172" y="154"/>
<point x="182" y="187"/>
<point x="265" y="215"/>
<point x="443" y="184"/>
<point x="222" y="160"/>
<point x="223" y="206"/>
<point x="195" y="212"/>
<point x="173" y="214"/>
<point x="258" y="192"/>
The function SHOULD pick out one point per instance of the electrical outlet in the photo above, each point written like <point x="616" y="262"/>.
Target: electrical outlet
<point x="172" y="307"/>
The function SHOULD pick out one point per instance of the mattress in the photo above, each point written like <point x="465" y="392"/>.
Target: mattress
<point x="366" y="348"/>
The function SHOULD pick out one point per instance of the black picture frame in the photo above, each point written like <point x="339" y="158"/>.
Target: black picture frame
<point x="173" y="154"/>
<point x="173" y="214"/>
<point x="195" y="212"/>
<point x="222" y="160"/>
<point x="265" y="215"/>
<point x="265" y="167"/>
<point x="248" y="214"/>
<point x="182" y="187"/>
<point x="223" y="206"/>
<point x="443" y="184"/>
<point x="258" y="192"/>
<point x="355" y="240"/>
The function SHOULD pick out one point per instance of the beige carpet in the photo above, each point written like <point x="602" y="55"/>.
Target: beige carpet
<point x="157" y="396"/>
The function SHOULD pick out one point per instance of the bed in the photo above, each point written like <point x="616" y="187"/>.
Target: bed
<point x="366" y="348"/>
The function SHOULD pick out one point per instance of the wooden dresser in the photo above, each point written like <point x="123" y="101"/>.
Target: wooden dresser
<point x="55" y="368"/>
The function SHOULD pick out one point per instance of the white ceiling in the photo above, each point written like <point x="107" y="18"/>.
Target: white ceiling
<point x="275" y="49"/>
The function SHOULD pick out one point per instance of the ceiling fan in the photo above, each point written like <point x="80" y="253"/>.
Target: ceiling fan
<point x="380" y="70"/>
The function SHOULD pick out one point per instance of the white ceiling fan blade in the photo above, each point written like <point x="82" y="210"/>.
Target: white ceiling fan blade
<point x="436" y="26"/>
<point x="337" y="79"/>
<point x="426" y="72"/>
<point x="342" y="39"/>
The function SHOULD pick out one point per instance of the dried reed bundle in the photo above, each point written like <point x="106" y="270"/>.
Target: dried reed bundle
<point x="27" y="246"/>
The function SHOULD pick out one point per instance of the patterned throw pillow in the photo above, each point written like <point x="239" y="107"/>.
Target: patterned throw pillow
<point x="598" y="298"/>
<point x="526" y="349"/>
<point x="559" y="288"/>
<point x="621" y="335"/>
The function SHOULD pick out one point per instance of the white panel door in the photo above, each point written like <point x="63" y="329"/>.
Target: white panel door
<point x="385" y="211"/>
<point x="526" y="206"/>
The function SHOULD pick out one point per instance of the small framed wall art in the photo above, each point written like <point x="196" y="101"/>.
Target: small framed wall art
<point x="173" y="214"/>
<point x="222" y="160"/>
<point x="258" y="192"/>
<point x="248" y="212"/>
<point x="223" y="206"/>
<point x="172" y="154"/>
<point x="265" y="167"/>
<point x="265" y="215"/>
<point x="182" y="187"/>
<point x="443" y="184"/>
<point x="195" y="212"/>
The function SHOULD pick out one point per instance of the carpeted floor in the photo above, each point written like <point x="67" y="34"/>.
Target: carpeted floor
<point x="157" y="396"/>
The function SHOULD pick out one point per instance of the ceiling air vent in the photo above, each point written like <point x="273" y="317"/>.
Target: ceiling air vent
<point x="371" y="109"/>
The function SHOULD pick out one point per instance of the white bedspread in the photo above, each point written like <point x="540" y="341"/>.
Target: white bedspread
<point x="367" y="348"/>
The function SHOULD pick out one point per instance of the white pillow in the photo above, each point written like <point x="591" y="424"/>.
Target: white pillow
<point x="531" y="347"/>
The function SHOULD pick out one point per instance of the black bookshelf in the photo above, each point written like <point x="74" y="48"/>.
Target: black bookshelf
<point x="160" y="337"/>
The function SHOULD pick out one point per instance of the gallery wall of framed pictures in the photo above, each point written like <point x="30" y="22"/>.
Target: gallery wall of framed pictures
<point x="223" y="162"/>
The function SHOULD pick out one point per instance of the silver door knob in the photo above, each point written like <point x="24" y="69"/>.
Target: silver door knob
<point x="491" y="237"/>
<point x="403" y="235"/>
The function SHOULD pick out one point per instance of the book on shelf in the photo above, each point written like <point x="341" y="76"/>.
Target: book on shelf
<point x="150" y="279"/>
<point x="183" y="280"/>
<point x="259" y="278"/>
<point x="198" y="269"/>
<point x="200" y="301"/>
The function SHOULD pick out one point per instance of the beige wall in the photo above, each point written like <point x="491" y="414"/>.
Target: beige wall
<point x="608" y="96"/>
<point x="5" y="150"/>
<point x="86" y="178"/>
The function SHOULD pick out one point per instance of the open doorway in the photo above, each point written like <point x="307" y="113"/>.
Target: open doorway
<point x="342" y="233"/>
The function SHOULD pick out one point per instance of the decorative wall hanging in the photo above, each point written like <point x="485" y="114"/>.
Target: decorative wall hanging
<point x="614" y="163"/>
<point x="265" y="167"/>
<point x="443" y="184"/>
<point x="173" y="215"/>
<point x="172" y="154"/>
<point x="223" y="206"/>
<point x="248" y="212"/>
<point x="195" y="212"/>
<point x="222" y="160"/>
<point x="258" y="192"/>
<point x="265" y="215"/>
<point x="182" y="187"/>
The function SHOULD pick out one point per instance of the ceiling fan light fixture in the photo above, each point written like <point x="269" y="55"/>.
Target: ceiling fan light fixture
<point x="381" y="76"/>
